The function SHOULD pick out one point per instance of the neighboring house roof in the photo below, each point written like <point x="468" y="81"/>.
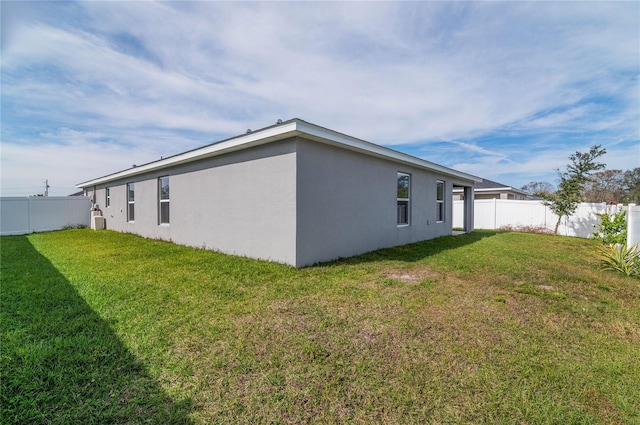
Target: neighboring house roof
<point x="490" y="186"/>
<point x="280" y="131"/>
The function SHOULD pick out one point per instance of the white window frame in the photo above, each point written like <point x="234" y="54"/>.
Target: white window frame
<point x="107" y="197"/>
<point x="401" y="200"/>
<point x="131" y="207"/>
<point x="161" y="219"/>
<point x="440" y="203"/>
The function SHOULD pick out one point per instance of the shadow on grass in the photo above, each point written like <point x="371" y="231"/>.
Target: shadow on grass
<point x="420" y="250"/>
<point x="60" y="362"/>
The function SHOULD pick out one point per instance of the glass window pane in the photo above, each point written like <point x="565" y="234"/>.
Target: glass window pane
<point x="164" y="212"/>
<point x="131" y="192"/>
<point x="164" y="187"/>
<point x="403" y="212"/>
<point x="403" y="186"/>
<point x="440" y="191"/>
<point x="130" y="212"/>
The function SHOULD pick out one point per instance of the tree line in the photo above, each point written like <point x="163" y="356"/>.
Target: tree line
<point x="610" y="186"/>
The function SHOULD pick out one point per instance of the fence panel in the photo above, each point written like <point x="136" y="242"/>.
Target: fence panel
<point x="19" y="216"/>
<point x="520" y="214"/>
<point x="584" y="221"/>
<point x="14" y="216"/>
<point x="458" y="214"/>
<point x="484" y="214"/>
<point x="500" y="213"/>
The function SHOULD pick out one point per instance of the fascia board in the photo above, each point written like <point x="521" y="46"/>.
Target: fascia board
<point x="497" y="190"/>
<point x="489" y="189"/>
<point x="502" y="189"/>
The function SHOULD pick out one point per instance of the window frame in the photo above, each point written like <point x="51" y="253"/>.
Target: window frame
<point x="440" y="203"/>
<point x="406" y="202"/>
<point x="131" y="199"/>
<point x="161" y="201"/>
<point x="107" y="197"/>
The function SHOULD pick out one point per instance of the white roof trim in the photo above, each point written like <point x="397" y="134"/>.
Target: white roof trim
<point x="496" y="189"/>
<point x="295" y="127"/>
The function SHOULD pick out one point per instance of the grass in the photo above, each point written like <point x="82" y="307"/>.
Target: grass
<point x="488" y="327"/>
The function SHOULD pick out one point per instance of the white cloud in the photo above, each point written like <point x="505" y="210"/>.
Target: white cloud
<point x="158" y="76"/>
<point x="27" y="166"/>
<point x="518" y="167"/>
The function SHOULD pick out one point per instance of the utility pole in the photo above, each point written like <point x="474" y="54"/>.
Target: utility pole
<point x="46" y="188"/>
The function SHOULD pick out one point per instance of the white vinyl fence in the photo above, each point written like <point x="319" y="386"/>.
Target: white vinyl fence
<point x="22" y="215"/>
<point x="503" y="213"/>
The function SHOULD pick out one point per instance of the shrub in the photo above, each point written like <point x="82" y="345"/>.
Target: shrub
<point x="618" y="257"/>
<point x="612" y="228"/>
<point x="74" y="226"/>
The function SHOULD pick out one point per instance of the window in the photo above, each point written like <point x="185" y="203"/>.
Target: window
<point x="404" y="190"/>
<point x="130" y="202"/>
<point x="440" y="201"/>
<point x="107" y="197"/>
<point x="163" y="200"/>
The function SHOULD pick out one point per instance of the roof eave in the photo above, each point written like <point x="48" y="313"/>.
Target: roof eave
<point x="498" y="189"/>
<point x="244" y="141"/>
<point x="291" y="128"/>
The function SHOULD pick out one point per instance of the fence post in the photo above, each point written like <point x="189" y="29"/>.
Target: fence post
<point x="495" y="213"/>
<point x="633" y="225"/>
<point x="29" y="218"/>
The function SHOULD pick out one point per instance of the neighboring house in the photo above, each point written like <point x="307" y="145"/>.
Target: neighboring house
<point x="488" y="189"/>
<point x="294" y="192"/>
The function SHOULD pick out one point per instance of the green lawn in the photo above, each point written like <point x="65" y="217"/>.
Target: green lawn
<point x="489" y="327"/>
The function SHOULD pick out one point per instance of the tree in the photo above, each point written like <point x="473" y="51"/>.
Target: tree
<point x="631" y="186"/>
<point x="565" y="200"/>
<point x="538" y="188"/>
<point x="605" y="186"/>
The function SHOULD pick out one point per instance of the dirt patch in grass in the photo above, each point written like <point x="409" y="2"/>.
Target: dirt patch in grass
<point x="623" y="329"/>
<point x="414" y="274"/>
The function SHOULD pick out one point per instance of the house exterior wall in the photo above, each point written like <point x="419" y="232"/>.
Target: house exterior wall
<point x="240" y="203"/>
<point x="294" y="201"/>
<point x="347" y="203"/>
<point x="496" y="195"/>
<point x="493" y="195"/>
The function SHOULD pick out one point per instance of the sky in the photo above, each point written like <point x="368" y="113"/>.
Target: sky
<point x="501" y="90"/>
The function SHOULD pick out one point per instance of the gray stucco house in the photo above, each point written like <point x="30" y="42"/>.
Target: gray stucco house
<point x="294" y="193"/>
